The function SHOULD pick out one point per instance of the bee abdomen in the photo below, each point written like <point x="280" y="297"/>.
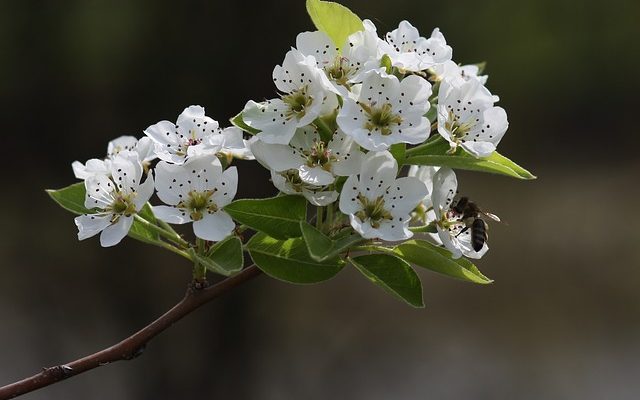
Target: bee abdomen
<point x="478" y="234"/>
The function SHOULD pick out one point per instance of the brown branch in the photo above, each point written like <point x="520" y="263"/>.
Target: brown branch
<point x="132" y="346"/>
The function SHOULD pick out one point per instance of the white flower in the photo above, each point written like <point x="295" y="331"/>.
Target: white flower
<point x="304" y="98"/>
<point x="468" y="118"/>
<point x="193" y="134"/>
<point x="196" y="191"/>
<point x="116" y="197"/>
<point x="425" y="175"/>
<point x="452" y="230"/>
<point x="387" y="111"/>
<point x="456" y="74"/>
<point x="289" y="182"/>
<point x="412" y="52"/>
<point x="318" y="163"/>
<point x="377" y="203"/>
<point x="94" y="166"/>
<point x="342" y="68"/>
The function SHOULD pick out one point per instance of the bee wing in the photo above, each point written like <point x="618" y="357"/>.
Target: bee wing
<point x="492" y="216"/>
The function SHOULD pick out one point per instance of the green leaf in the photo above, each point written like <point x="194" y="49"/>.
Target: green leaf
<point x="334" y="19"/>
<point x="278" y="217"/>
<point x="225" y="257"/>
<point x="72" y="197"/>
<point x="438" y="259"/>
<point x="289" y="260"/>
<point x="322" y="247"/>
<point x="238" y="122"/>
<point x="398" y="152"/>
<point x="434" y="152"/>
<point x="393" y="275"/>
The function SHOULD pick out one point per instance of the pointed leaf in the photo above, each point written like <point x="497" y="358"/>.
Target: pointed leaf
<point x="71" y="198"/>
<point x="238" y="122"/>
<point x="322" y="247"/>
<point x="393" y="275"/>
<point x="225" y="257"/>
<point x="434" y="152"/>
<point x="278" y="217"/>
<point x="438" y="259"/>
<point x="289" y="260"/>
<point x="334" y="19"/>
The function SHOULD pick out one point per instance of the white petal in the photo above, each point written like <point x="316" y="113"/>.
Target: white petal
<point x="404" y="195"/>
<point x="448" y="243"/>
<point x="395" y="230"/>
<point x="144" y="192"/>
<point x="349" y="203"/>
<point x="114" y="233"/>
<point x="281" y="183"/>
<point x="379" y="171"/>
<point x="271" y="120"/>
<point x="91" y="225"/>
<point x="445" y="185"/>
<point x="163" y="133"/>
<point x="92" y="167"/>
<point x="126" y="171"/>
<point x="363" y="228"/>
<point x="193" y="123"/>
<point x="318" y="45"/>
<point x="99" y="191"/>
<point x="171" y="182"/>
<point x="171" y="215"/>
<point x="226" y="187"/>
<point x="203" y="172"/>
<point x="146" y="149"/>
<point x="277" y="157"/>
<point x="214" y="227"/>
<point x="316" y="175"/>
<point x="320" y="198"/>
<point x="121" y="144"/>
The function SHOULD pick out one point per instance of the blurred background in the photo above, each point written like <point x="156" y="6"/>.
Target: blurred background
<point x="561" y="321"/>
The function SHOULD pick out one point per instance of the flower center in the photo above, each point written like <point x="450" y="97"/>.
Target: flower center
<point x="320" y="155"/>
<point x="298" y="102"/>
<point x="458" y="129"/>
<point x="198" y="204"/>
<point x="381" y="118"/>
<point x="340" y="71"/>
<point x="373" y="211"/>
<point x="122" y="205"/>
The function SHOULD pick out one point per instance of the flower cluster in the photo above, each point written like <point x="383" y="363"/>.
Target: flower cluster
<point x="343" y="108"/>
<point x="189" y="178"/>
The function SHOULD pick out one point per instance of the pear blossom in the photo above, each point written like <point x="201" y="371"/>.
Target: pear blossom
<point x="116" y="197"/>
<point x="452" y="229"/>
<point x="94" y="166"/>
<point x="289" y="182"/>
<point x="468" y="118"/>
<point x="195" y="192"/>
<point x="193" y="134"/>
<point x="379" y="204"/>
<point x="411" y="52"/>
<point x="304" y="97"/>
<point x="342" y="68"/>
<point x="318" y="162"/>
<point x="387" y="111"/>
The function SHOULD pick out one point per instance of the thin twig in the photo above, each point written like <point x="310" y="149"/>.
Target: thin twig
<point x="134" y="345"/>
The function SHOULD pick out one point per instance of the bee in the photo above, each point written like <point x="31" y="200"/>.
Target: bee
<point x="471" y="216"/>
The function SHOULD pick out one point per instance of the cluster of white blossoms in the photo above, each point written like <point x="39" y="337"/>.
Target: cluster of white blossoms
<point x="332" y="135"/>
<point x="328" y="136"/>
<point x="189" y="178"/>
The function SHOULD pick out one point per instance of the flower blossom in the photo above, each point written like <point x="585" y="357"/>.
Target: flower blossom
<point x="387" y="111"/>
<point x="195" y="192"/>
<point x="411" y="52"/>
<point x="379" y="204"/>
<point x="304" y="97"/>
<point x="468" y="118"/>
<point x="453" y="230"/>
<point x="115" y="197"/>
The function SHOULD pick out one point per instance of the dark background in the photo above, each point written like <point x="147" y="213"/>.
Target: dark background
<point x="560" y="322"/>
